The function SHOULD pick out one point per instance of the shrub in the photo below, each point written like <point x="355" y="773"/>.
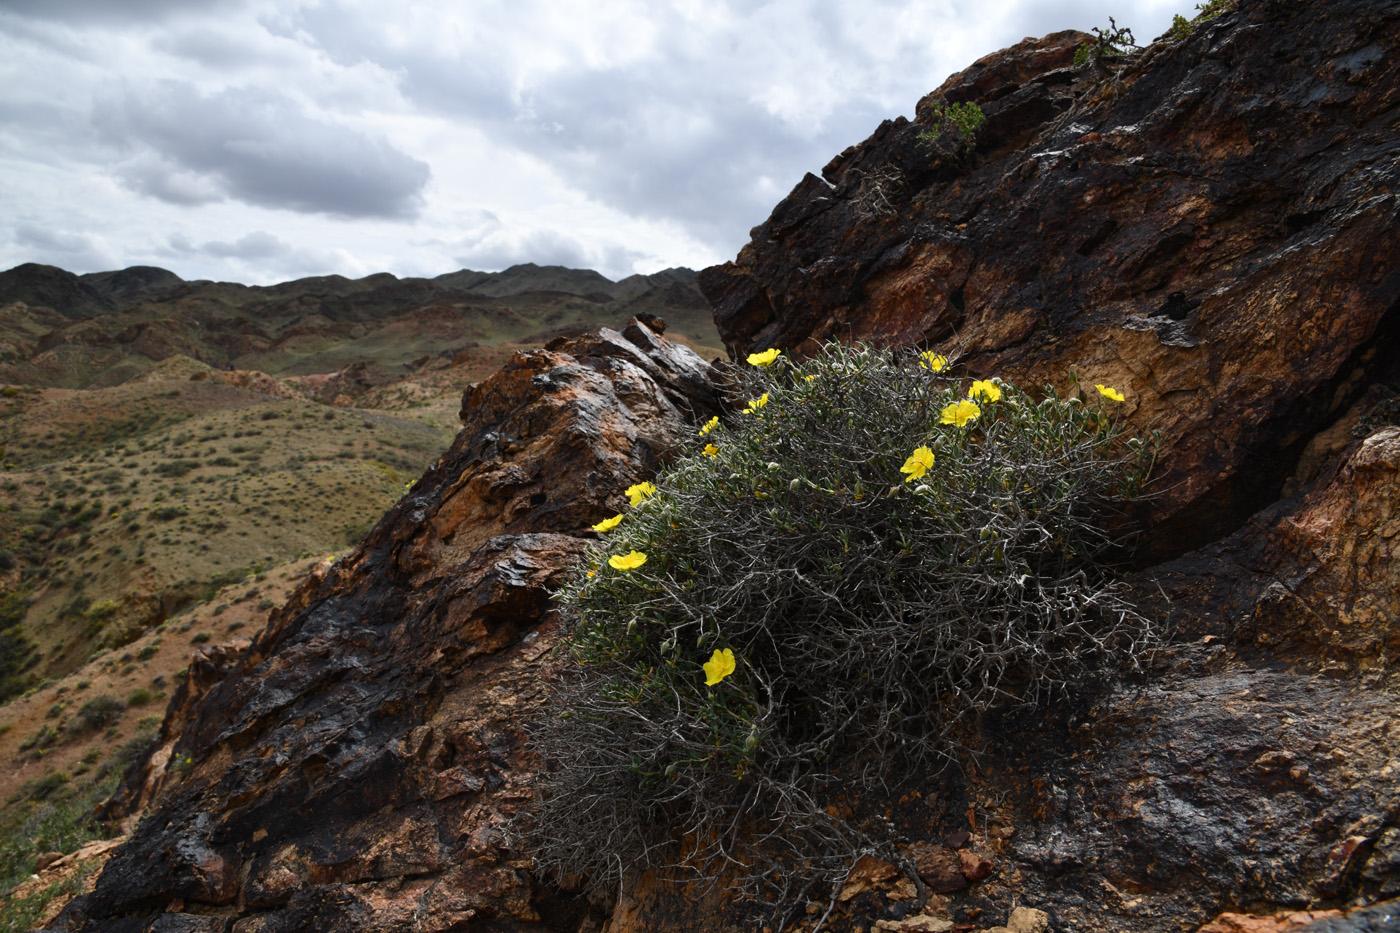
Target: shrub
<point x="855" y="570"/>
<point x="963" y="118"/>
<point x="100" y="711"/>
<point x="1181" y="26"/>
<point x="44" y="787"/>
<point x="1115" y="42"/>
<point x="139" y="697"/>
<point x="175" y="467"/>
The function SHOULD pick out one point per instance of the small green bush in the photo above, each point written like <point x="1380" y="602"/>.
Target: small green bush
<point x="175" y="467"/>
<point x="856" y="569"/>
<point x="1115" y="42"/>
<point x="139" y="697"/>
<point x="44" y="787"/>
<point x="1181" y="26"/>
<point x="97" y="713"/>
<point x="964" y="118"/>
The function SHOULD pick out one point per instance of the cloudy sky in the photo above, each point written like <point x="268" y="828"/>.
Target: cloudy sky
<point x="262" y="140"/>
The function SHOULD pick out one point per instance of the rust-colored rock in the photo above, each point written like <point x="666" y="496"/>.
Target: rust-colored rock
<point x="355" y="766"/>
<point x="941" y="869"/>
<point x="1286" y="922"/>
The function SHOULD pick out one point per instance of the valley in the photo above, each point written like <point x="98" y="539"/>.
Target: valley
<point x="175" y="456"/>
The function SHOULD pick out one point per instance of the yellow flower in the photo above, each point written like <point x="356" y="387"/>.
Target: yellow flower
<point x="765" y="358"/>
<point x="811" y="377"/>
<point x="918" y="464"/>
<point x="1110" y="393"/>
<point x="710" y="450"/>
<point x="720" y="666"/>
<point x="933" y="362"/>
<point x="608" y="524"/>
<point x="627" y="561"/>
<point x="985" y="390"/>
<point x="710" y="426"/>
<point x="756" y="404"/>
<point x="960" y="413"/>
<point x="640" y="493"/>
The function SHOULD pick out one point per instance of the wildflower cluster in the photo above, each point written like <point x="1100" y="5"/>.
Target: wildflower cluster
<point x="867" y="558"/>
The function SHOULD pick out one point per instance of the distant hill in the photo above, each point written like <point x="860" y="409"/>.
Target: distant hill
<point x="62" y="330"/>
<point x="160" y="438"/>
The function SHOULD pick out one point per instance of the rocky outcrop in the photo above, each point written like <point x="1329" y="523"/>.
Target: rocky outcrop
<point x="354" y="768"/>
<point x="1210" y="227"/>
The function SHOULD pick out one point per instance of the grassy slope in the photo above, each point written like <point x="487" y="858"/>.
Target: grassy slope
<point x="126" y="504"/>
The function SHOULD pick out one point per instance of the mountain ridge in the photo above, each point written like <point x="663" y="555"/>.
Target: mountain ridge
<point x="115" y="324"/>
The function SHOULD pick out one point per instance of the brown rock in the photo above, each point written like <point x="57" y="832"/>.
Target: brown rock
<point x="355" y="766"/>
<point x="974" y="867"/>
<point x="1119" y="252"/>
<point x="868" y="873"/>
<point x="1028" y="920"/>
<point x="1274" y="923"/>
<point x="941" y="870"/>
<point x="45" y="860"/>
<point x="916" y="924"/>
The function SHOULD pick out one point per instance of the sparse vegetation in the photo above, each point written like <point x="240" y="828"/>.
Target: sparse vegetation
<point x="1109" y="44"/>
<point x="1181" y="26"/>
<point x="139" y="697"/>
<point x="97" y="713"/>
<point x="963" y="118"/>
<point x="859" y="569"/>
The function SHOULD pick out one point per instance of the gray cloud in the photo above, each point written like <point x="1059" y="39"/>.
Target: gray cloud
<point x="680" y="135"/>
<point x="71" y="251"/>
<point x="257" y="245"/>
<point x="259" y="147"/>
<point x="151" y="175"/>
<point x="255" y="250"/>
<point x="108" y="11"/>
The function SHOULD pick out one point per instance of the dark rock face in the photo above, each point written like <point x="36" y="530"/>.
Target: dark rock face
<point x="50" y="286"/>
<point x="1214" y="231"/>
<point x="354" y="767"/>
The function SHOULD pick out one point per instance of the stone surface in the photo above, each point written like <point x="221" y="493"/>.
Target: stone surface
<point x="1028" y="920"/>
<point x="919" y="924"/>
<point x="1215" y="233"/>
<point x="1287" y="922"/>
<point x="354" y="767"/>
